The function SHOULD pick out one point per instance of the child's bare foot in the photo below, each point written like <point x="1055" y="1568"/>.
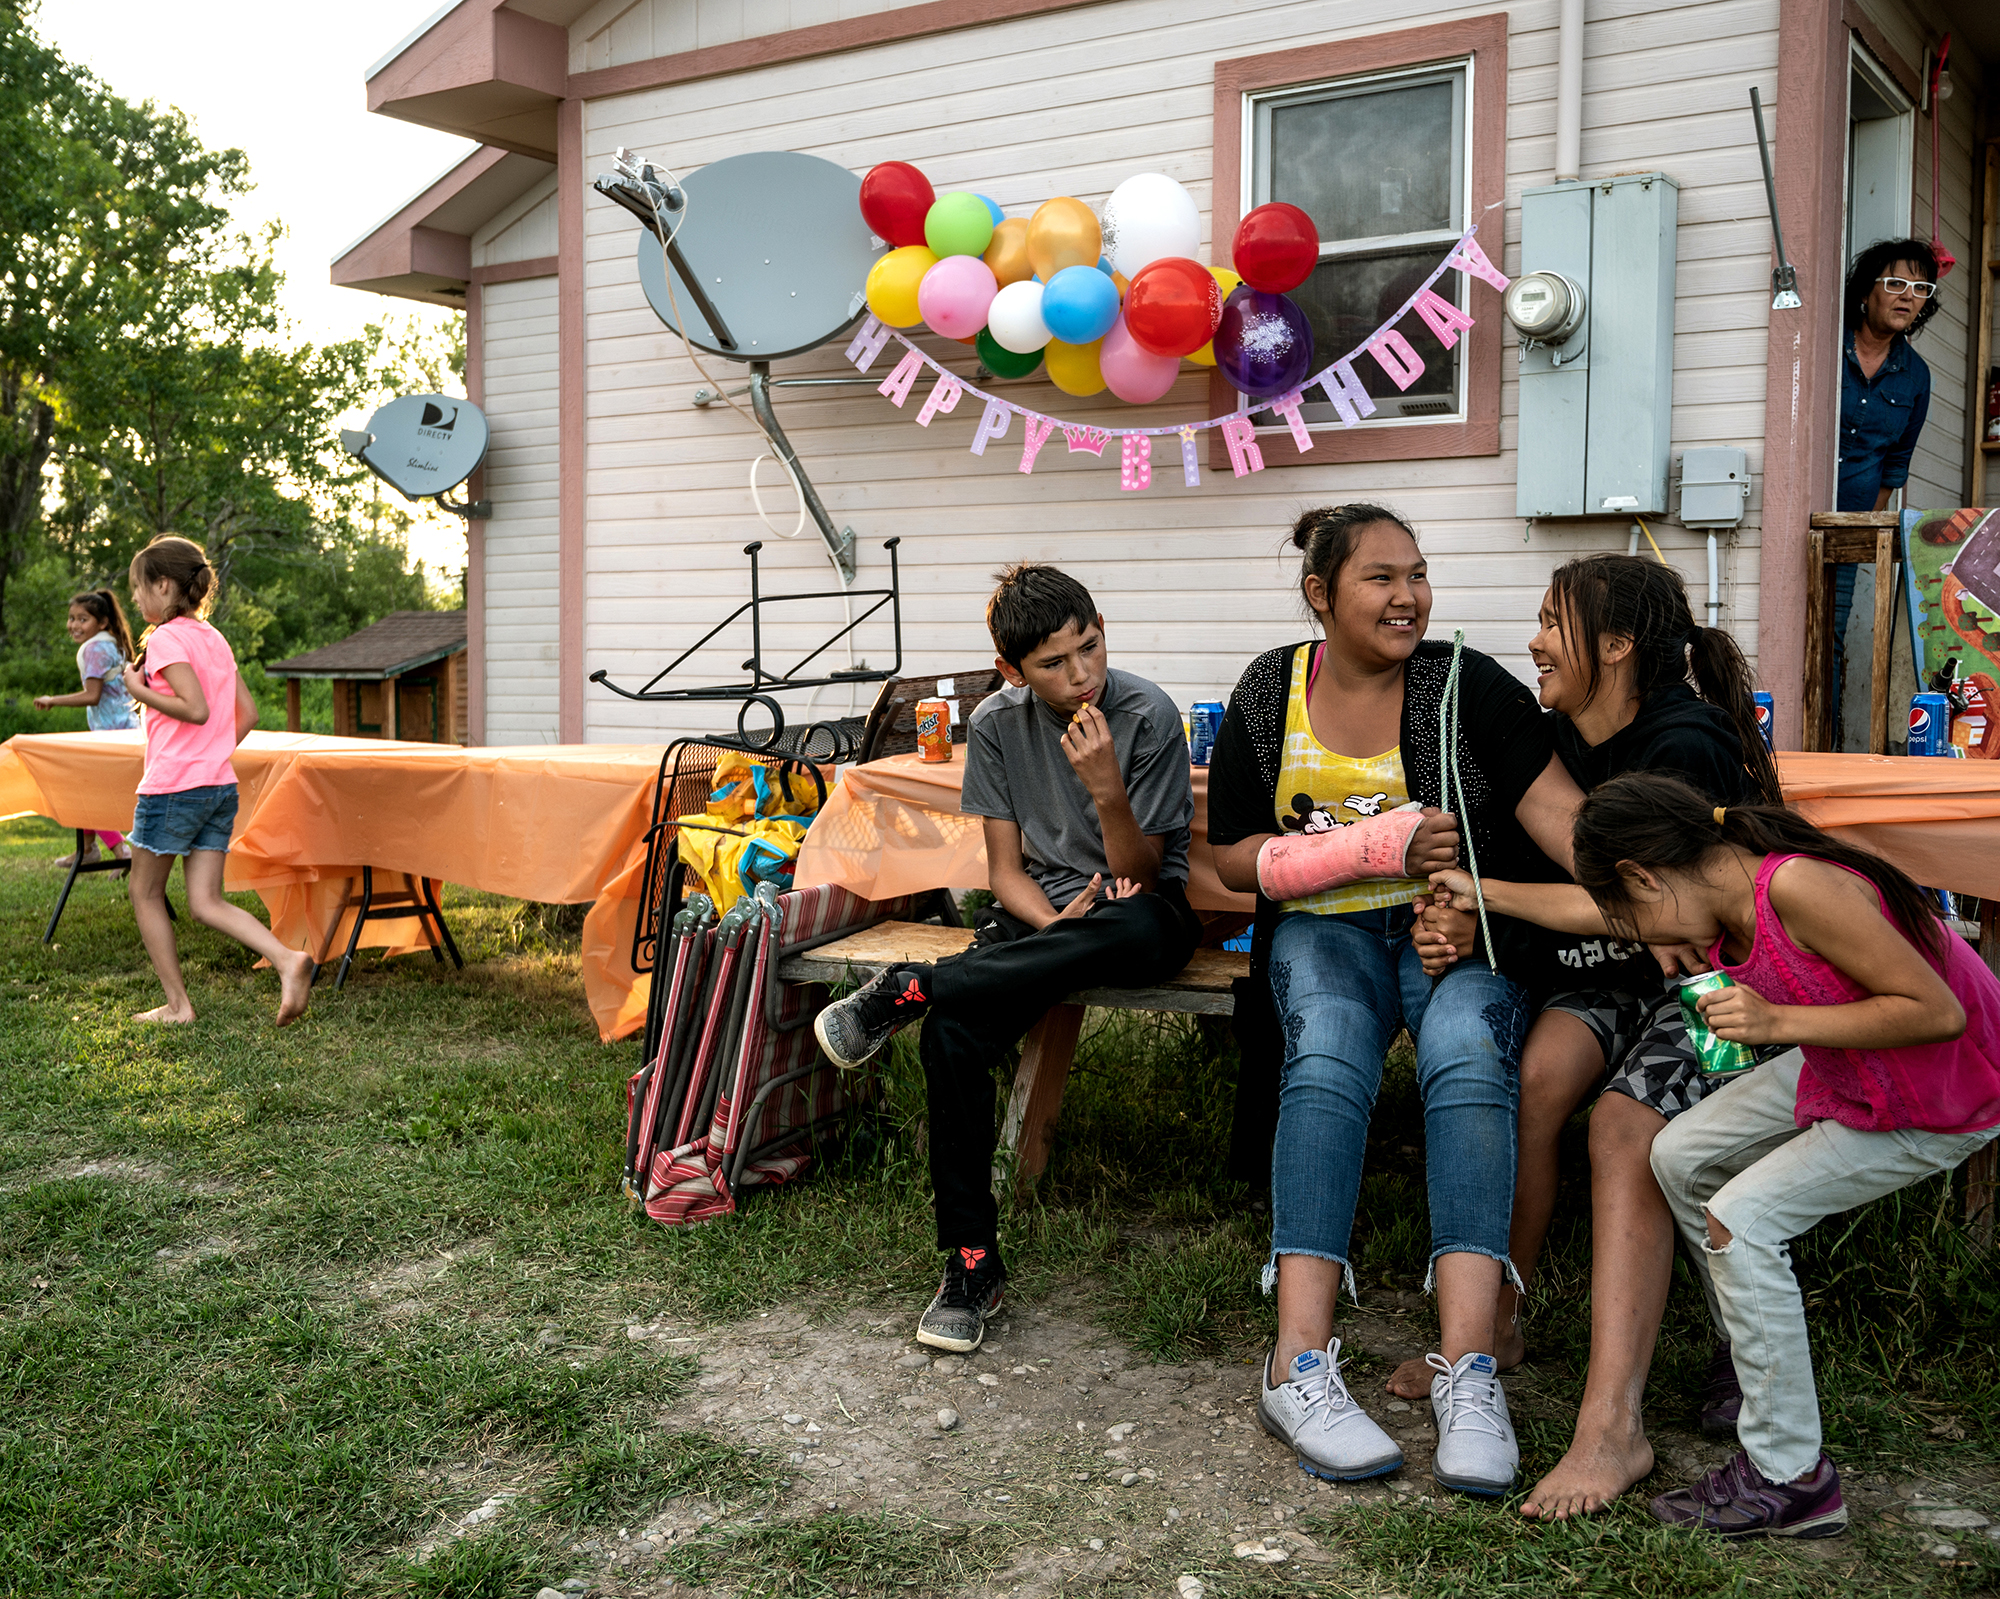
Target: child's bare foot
<point x="295" y="974"/>
<point x="1411" y="1380"/>
<point x="1587" y="1479"/>
<point x="1510" y="1339"/>
<point x="166" y="1013"/>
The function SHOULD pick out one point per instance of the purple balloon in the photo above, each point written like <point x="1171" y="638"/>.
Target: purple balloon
<point x="1263" y="345"/>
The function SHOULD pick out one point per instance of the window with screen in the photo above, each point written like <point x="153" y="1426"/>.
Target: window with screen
<point x="1379" y="163"/>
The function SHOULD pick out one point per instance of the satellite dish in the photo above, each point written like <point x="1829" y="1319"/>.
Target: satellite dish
<point x="772" y="254"/>
<point x="422" y="445"/>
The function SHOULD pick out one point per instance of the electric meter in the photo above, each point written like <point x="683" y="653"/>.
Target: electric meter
<point x="1545" y="306"/>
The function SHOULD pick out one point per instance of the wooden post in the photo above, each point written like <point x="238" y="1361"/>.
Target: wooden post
<point x="1038" y="1090"/>
<point x="389" y="708"/>
<point x="1819" y="640"/>
<point x="292" y="723"/>
<point x="1885" y="621"/>
<point x="1982" y="1171"/>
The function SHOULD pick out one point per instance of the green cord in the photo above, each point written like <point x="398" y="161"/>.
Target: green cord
<point x="1448" y="778"/>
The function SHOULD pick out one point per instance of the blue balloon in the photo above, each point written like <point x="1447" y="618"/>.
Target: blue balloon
<point x="999" y="216"/>
<point x="1080" y="304"/>
<point x="1104" y="265"/>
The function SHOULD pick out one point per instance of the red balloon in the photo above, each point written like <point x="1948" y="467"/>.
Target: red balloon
<point x="1172" y="306"/>
<point x="1276" y="248"/>
<point x="895" y="198"/>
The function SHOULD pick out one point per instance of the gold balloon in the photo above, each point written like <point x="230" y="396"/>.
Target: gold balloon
<point x="891" y="290"/>
<point x="1226" y="281"/>
<point x="1073" y="368"/>
<point x="1007" y="255"/>
<point x="1063" y="233"/>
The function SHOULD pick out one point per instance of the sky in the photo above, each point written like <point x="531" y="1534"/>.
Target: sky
<point x="287" y="86"/>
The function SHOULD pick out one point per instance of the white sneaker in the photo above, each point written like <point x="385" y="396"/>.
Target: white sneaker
<point x="1313" y="1412"/>
<point x="1476" y="1451"/>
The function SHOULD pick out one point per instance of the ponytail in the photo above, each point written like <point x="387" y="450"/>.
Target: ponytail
<point x="1622" y="596"/>
<point x="1658" y="822"/>
<point x="103" y="606"/>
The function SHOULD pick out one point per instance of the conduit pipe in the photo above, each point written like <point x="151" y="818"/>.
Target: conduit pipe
<point x="1714" y="606"/>
<point x="1569" y="92"/>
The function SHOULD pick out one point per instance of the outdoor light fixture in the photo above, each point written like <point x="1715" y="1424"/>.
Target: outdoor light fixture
<point x="1545" y="307"/>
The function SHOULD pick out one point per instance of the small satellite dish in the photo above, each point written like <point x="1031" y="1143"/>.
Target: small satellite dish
<point x="422" y="445"/>
<point x="772" y="255"/>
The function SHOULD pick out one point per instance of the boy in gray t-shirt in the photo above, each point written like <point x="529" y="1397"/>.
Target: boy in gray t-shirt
<point x="1081" y="774"/>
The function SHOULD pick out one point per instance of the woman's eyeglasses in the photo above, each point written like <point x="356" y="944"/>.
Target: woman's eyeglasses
<point x="1895" y="286"/>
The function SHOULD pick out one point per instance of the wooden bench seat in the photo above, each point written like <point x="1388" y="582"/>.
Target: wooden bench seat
<point x="1202" y="988"/>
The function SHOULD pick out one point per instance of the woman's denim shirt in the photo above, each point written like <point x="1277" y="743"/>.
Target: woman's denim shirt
<point x="1879" y="422"/>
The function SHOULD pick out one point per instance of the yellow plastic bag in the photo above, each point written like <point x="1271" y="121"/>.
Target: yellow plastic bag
<point x="750" y="833"/>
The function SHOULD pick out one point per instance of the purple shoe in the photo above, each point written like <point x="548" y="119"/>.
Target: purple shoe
<point x="1722" y="1398"/>
<point x="1738" y="1501"/>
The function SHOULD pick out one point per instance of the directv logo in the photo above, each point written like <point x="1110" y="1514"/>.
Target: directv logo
<point x="434" y="420"/>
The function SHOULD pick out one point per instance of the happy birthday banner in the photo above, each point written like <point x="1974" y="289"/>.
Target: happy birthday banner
<point x="1339" y="381"/>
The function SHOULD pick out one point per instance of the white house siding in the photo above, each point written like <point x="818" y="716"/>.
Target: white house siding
<point x="1192" y="582"/>
<point x="520" y="347"/>
<point x="615" y="32"/>
<point x="525" y="231"/>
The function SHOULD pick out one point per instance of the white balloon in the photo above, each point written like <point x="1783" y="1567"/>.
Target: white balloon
<point x="1147" y="219"/>
<point x="1015" y="318"/>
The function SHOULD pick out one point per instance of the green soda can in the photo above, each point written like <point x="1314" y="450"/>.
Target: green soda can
<point x="1718" y="1057"/>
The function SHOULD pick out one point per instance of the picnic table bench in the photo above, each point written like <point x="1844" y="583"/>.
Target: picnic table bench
<point x="1202" y="988"/>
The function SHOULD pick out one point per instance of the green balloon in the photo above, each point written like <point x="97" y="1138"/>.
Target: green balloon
<point x="958" y="224"/>
<point x="1003" y="362"/>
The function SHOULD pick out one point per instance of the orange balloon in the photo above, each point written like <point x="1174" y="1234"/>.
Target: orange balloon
<point x="1063" y="233"/>
<point x="1227" y="281"/>
<point x="1123" y="283"/>
<point x="1007" y="255"/>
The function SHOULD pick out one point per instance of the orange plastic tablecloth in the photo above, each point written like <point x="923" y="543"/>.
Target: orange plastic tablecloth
<point x="561" y="824"/>
<point x="894" y="826"/>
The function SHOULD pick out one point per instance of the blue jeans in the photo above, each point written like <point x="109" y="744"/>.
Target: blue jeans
<point x="1342" y="986"/>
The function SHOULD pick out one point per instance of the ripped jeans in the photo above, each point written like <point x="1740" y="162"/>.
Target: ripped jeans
<point x="1740" y="1156"/>
<point x="1341" y="986"/>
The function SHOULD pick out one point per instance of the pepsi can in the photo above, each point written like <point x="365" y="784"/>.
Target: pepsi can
<point x="1204" y="722"/>
<point x="1930" y="724"/>
<point x="1764" y="703"/>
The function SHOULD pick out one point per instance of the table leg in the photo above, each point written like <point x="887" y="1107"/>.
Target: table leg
<point x="1982" y="1171"/>
<point x="1038" y="1090"/>
<point x="1885" y="624"/>
<point x="1819" y="640"/>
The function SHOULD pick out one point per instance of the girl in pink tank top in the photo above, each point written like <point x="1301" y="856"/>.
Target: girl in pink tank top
<point x="1831" y="949"/>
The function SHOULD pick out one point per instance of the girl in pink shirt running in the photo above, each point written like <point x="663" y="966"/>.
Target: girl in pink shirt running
<point x="1895" y="1077"/>
<point x="197" y="711"/>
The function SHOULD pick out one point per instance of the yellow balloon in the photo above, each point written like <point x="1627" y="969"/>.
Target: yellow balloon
<point x="1063" y="233"/>
<point x="1007" y="255"/>
<point x="1073" y="368"/>
<point x="1227" y="281"/>
<point x="892" y="285"/>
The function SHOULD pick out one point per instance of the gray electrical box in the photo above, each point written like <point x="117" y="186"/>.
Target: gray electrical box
<point x="1597" y="409"/>
<point x="1715" y="486"/>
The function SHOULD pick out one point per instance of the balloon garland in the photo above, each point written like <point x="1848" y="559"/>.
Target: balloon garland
<point x="1118" y="302"/>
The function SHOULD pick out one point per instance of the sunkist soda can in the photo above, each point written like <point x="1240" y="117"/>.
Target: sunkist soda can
<point x="934" y="730"/>
<point x="1930" y="724"/>
<point x="1764" y="705"/>
<point x="1204" y="722"/>
<point x="1717" y="1057"/>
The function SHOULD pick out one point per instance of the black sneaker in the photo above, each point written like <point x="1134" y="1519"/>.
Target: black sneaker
<point x="851" y="1030"/>
<point x="1722" y="1399"/>
<point x="967" y="1297"/>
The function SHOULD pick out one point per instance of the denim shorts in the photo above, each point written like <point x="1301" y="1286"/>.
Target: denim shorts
<point x="179" y="824"/>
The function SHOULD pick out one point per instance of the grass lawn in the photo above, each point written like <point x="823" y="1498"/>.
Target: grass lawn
<point x="355" y="1309"/>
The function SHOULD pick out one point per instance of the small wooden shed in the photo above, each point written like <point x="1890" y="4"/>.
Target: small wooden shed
<point x="403" y="677"/>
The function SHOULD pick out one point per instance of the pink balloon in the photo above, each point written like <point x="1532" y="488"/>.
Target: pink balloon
<point x="1134" y="373"/>
<point x="954" y="295"/>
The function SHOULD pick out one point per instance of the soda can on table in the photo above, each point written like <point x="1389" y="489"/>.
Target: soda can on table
<point x="1764" y="707"/>
<point x="1717" y="1057"/>
<point x="1930" y="724"/>
<point x="1204" y="723"/>
<point x="934" y="730"/>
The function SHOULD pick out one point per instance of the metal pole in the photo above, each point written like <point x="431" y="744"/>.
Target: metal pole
<point x="1569" y="92"/>
<point x="839" y="545"/>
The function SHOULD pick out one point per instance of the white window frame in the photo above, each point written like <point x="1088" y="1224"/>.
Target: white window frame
<point x="1455" y="287"/>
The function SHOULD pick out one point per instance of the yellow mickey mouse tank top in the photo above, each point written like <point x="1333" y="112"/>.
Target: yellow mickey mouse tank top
<point x="1319" y="790"/>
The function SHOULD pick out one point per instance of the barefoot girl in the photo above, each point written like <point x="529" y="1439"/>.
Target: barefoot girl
<point x="1326" y="749"/>
<point x="103" y="646"/>
<point x="1896" y="1078"/>
<point x="1617" y="647"/>
<point x="197" y="713"/>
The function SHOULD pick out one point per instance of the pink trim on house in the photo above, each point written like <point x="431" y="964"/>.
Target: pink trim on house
<point x="572" y="400"/>
<point x="424" y="251"/>
<point x="475" y="531"/>
<point x="1484" y="39"/>
<point x="484" y="72"/>
<point x="540" y="266"/>
<point x="1802" y="349"/>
